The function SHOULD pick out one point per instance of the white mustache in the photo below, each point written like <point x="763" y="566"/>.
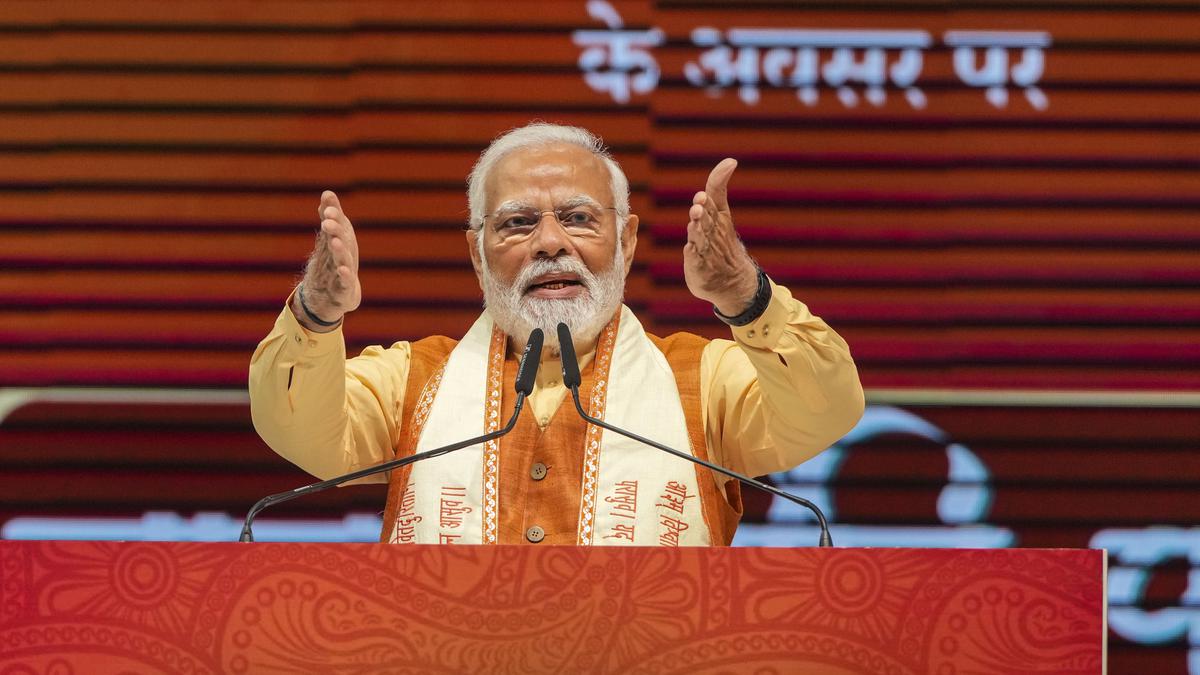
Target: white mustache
<point x="563" y="265"/>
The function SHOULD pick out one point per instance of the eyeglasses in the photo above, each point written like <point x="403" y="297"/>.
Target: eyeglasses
<point x="576" y="220"/>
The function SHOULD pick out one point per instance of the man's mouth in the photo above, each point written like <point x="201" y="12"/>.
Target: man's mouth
<point x="554" y="285"/>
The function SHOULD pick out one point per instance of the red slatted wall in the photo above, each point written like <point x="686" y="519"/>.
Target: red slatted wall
<point x="160" y="164"/>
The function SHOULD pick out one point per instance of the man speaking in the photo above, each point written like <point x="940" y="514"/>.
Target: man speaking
<point x="551" y="239"/>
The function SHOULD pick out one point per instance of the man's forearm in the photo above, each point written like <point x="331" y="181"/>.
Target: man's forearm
<point x="297" y="396"/>
<point x="788" y="391"/>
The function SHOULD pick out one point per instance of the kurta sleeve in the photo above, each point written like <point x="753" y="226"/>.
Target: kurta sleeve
<point x="327" y="415"/>
<point x="784" y="389"/>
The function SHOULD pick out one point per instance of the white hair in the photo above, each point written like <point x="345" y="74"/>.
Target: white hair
<point x="536" y="134"/>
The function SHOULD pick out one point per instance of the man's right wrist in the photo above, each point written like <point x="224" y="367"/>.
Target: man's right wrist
<point x="303" y="310"/>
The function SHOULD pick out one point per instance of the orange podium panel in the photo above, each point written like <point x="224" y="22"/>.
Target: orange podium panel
<point x="108" y="607"/>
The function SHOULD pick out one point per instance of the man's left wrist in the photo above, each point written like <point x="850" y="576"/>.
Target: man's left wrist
<point x="740" y="295"/>
<point x="745" y="312"/>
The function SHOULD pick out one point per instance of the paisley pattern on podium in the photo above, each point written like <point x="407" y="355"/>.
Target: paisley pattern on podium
<point x="103" y="607"/>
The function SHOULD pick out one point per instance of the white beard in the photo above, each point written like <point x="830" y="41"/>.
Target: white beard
<point x="517" y="314"/>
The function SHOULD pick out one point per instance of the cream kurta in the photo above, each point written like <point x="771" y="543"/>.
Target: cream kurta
<point x="783" y="390"/>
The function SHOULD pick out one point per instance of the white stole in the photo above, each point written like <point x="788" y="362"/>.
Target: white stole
<point x="631" y="494"/>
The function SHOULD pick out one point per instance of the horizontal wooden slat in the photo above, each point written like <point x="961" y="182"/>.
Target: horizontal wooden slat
<point x="281" y="15"/>
<point x="123" y="367"/>
<point x="240" y="289"/>
<point x="966" y="264"/>
<point x="287" y="250"/>
<point x="96" y="411"/>
<point x="960" y="183"/>
<point x="1101" y="107"/>
<point x="880" y="305"/>
<point x="805" y="225"/>
<point x="169" y="288"/>
<point x="324" y="91"/>
<point x="332" y="52"/>
<point x="1100" y="507"/>
<point x="328" y="51"/>
<point x="1023" y="463"/>
<point x="1063" y="66"/>
<point x="1027" y="345"/>
<point x="951" y="147"/>
<point x="168" y="449"/>
<point x="240" y="209"/>
<point x="1045" y="376"/>
<point x="219" y="330"/>
<point x="1087" y="426"/>
<point x="437" y="168"/>
<point x="200" y="129"/>
<point x="925" y="344"/>
<point x="207" y="368"/>
<point x="192" y="489"/>
<point x="1085" y="24"/>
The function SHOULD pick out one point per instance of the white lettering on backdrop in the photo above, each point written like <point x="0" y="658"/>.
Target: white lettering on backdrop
<point x="855" y="64"/>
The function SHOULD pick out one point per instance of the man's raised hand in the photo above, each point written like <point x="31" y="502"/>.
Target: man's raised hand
<point x="331" y="286"/>
<point x="716" y="266"/>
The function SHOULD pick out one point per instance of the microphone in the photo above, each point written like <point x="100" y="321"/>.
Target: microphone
<point x="572" y="379"/>
<point x="526" y="372"/>
<point x="570" y="363"/>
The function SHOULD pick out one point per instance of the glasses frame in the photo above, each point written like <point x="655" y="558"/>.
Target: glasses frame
<point x="541" y="214"/>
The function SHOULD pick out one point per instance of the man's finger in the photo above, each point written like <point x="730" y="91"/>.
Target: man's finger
<point x="333" y="228"/>
<point x="335" y="213"/>
<point x="717" y="186"/>
<point x="696" y="236"/>
<point x="341" y="252"/>
<point x="712" y="214"/>
<point x="329" y="200"/>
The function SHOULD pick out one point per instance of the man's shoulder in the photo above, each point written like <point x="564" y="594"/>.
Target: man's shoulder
<point x="432" y="349"/>
<point x="680" y="343"/>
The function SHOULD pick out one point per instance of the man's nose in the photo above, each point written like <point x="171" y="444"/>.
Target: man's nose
<point x="550" y="239"/>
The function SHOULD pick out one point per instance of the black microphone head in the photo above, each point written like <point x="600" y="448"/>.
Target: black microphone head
<point x="530" y="360"/>
<point x="570" y="363"/>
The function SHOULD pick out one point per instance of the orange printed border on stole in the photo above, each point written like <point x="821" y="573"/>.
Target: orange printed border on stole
<point x="420" y="414"/>
<point x="591" y="442"/>
<point x="491" y="422"/>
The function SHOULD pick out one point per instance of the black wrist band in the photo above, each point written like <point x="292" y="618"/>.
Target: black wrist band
<point x="762" y="297"/>
<point x="308" y="312"/>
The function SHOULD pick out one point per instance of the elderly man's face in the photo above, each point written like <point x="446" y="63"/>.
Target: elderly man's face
<point x="543" y="266"/>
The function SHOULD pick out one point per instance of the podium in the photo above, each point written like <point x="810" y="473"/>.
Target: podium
<point x="109" y="607"/>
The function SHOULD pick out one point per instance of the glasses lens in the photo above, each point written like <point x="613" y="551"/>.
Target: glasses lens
<point x="578" y="217"/>
<point x="516" y="219"/>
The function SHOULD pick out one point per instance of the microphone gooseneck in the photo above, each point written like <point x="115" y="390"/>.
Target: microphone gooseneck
<point x="527" y="371"/>
<point x="569" y="360"/>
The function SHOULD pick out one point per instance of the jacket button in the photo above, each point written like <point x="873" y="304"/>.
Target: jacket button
<point x="538" y="471"/>
<point x="535" y="534"/>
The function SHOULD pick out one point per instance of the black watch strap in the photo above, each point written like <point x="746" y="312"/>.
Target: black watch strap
<point x="762" y="297"/>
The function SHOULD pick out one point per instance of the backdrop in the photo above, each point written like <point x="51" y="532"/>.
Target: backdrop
<point x="994" y="202"/>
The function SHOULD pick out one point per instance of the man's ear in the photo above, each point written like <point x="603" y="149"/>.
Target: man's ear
<point x="629" y="241"/>
<point x="473" y="247"/>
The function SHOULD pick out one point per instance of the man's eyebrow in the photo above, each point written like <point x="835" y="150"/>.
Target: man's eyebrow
<point x="579" y="200"/>
<point x="513" y="205"/>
